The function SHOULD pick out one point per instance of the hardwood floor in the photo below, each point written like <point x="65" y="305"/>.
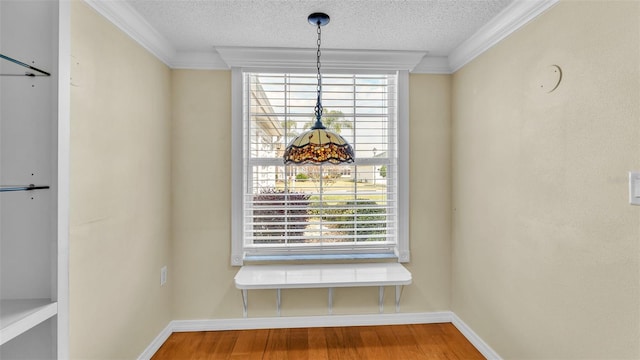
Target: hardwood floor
<point x="397" y="342"/>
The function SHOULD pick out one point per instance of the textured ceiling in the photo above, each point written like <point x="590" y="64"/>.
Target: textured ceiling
<point x="435" y="26"/>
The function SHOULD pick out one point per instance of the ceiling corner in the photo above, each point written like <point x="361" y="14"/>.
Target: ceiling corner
<point x="210" y="60"/>
<point x="513" y="17"/>
<point x="127" y="19"/>
<point x="432" y="65"/>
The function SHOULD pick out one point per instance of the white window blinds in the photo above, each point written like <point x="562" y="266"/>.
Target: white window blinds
<point x="324" y="209"/>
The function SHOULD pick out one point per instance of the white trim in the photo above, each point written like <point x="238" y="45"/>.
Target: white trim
<point x="398" y="245"/>
<point x="62" y="179"/>
<point x="127" y="19"/>
<point x="433" y="65"/>
<point x="205" y="60"/>
<point x="157" y="342"/>
<point x="21" y="315"/>
<point x="237" y="154"/>
<point x="320" y="321"/>
<point x="473" y="338"/>
<point x="403" y="167"/>
<point x="512" y="18"/>
<point x="331" y="58"/>
<point x="311" y="321"/>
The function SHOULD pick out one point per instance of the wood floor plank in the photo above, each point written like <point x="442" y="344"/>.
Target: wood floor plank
<point x="224" y="343"/>
<point x="337" y="345"/>
<point x="373" y="346"/>
<point x="174" y="347"/>
<point x="354" y="340"/>
<point x="402" y="342"/>
<point x="298" y="344"/>
<point x="396" y="342"/>
<point x="276" y="348"/>
<point x="465" y="351"/>
<point x="250" y="345"/>
<point x="207" y="347"/>
<point x="433" y="341"/>
<point x="317" y="344"/>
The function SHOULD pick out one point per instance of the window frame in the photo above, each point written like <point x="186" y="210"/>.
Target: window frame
<point x="238" y="253"/>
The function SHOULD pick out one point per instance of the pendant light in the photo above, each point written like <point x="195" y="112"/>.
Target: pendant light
<point x="318" y="145"/>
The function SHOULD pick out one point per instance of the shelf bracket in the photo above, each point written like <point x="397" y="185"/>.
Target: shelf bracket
<point x="42" y="72"/>
<point x="8" y="188"/>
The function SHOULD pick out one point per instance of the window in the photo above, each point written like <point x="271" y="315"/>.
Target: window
<point x="319" y="211"/>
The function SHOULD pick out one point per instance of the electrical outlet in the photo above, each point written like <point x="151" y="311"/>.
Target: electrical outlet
<point x="163" y="275"/>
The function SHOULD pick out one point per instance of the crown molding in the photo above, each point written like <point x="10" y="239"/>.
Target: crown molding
<point x="331" y="58"/>
<point x="433" y="65"/>
<point x="512" y="18"/>
<point x="127" y="19"/>
<point x="198" y="60"/>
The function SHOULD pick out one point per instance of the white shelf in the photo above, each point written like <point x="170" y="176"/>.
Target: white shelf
<point x="321" y="275"/>
<point x="18" y="316"/>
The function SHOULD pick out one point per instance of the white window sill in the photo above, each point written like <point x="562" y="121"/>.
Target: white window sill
<point x="319" y="257"/>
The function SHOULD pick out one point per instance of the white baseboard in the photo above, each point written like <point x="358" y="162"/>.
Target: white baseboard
<point x="311" y="321"/>
<point x="474" y="339"/>
<point x="319" y="321"/>
<point x="157" y="342"/>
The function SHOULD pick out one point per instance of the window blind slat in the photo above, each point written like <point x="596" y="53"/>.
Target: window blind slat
<point x="320" y="208"/>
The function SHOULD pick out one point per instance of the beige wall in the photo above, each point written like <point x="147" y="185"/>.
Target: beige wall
<point x="545" y="244"/>
<point x="430" y="193"/>
<point x="544" y="261"/>
<point x="201" y="201"/>
<point x="203" y="278"/>
<point x="120" y="180"/>
<point x="128" y="200"/>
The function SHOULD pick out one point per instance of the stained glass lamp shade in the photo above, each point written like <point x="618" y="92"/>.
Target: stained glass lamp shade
<point x="317" y="146"/>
